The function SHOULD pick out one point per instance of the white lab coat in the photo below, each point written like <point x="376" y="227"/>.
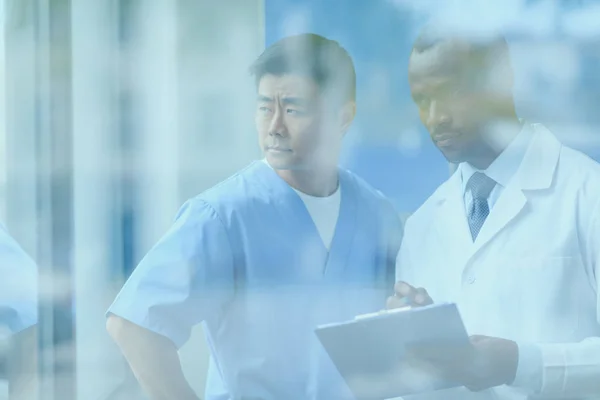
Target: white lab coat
<point x="532" y="274"/>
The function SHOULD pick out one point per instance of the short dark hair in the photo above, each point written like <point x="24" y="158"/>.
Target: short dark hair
<point x="426" y="39"/>
<point x="489" y="43"/>
<point x="486" y="51"/>
<point x="315" y="56"/>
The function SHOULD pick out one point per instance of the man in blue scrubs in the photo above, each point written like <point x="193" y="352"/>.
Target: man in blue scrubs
<point x="286" y="244"/>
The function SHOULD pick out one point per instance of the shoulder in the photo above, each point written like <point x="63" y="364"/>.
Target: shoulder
<point x="426" y="210"/>
<point x="368" y="194"/>
<point x="233" y="193"/>
<point x="573" y="169"/>
<point x="362" y="188"/>
<point x="578" y="179"/>
<point x="235" y="185"/>
<point x="578" y="173"/>
<point x="223" y="207"/>
<point x="579" y="164"/>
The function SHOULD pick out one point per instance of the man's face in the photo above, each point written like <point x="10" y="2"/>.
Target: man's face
<point x="296" y="128"/>
<point x="452" y="104"/>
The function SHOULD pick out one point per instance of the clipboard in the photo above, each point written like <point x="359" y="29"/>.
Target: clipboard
<point x="369" y="350"/>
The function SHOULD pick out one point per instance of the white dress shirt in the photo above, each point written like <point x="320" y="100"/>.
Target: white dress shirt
<point x="501" y="170"/>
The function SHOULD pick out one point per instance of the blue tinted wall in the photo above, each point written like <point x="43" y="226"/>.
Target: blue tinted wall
<point x="387" y="145"/>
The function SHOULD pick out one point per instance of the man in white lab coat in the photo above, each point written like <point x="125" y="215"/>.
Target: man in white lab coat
<point x="513" y="237"/>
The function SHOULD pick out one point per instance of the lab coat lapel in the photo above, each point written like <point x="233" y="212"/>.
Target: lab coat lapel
<point x="450" y="222"/>
<point x="535" y="173"/>
<point x="509" y="205"/>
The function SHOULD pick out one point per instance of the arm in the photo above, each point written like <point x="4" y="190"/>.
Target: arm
<point x="153" y="359"/>
<point x="186" y="278"/>
<point x="560" y="370"/>
<point x="567" y="370"/>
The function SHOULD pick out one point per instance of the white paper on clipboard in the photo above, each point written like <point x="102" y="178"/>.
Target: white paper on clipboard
<point x="369" y="350"/>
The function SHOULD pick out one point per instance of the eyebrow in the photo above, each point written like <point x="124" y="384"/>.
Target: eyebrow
<point x="264" y="99"/>
<point x="432" y="88"/>
<point x="294" y="101"/>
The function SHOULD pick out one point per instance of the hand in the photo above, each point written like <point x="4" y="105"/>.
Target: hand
<point x="487" y="362"/>
<point x="407" y="295"/>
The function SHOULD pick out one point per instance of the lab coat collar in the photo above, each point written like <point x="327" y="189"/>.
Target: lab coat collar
<point x="537" y="169"/>
<point x="535" y="172"/>
<point x="505" y="166"/>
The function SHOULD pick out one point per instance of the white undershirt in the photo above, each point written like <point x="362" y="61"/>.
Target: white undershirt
<point x="324" y="212"/>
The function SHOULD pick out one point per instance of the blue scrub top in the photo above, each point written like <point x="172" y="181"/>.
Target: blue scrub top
<point x="246" y="259"/>
<point x="18" y="287"/>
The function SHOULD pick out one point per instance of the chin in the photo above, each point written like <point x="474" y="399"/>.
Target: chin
<point x="280" y="162"/>
<point x="453" y="156"/>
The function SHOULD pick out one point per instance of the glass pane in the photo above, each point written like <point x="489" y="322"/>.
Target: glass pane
<point x="198" y="198"/>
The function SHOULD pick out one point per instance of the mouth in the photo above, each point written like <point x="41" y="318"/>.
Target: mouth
<point x="278" y="149"/>
<point x="445" y="139"/>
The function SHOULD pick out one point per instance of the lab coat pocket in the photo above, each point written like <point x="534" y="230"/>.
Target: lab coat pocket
<point x="548" y="294"/>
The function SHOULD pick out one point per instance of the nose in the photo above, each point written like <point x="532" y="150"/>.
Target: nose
<point x="438" y="116"/>
<point x="277" y="126"/>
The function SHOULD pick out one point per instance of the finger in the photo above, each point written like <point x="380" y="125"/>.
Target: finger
<point x="474" y="339"/>
<point x="421" y="297"/>
<point x="403" y="289"/>
<point x="394" y="302"/>
<point x="474" y="386"/>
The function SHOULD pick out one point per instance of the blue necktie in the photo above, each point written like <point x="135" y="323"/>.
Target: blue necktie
<point x="480" y="186"/>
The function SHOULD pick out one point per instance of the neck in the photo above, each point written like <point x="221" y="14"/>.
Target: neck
<point x="319" y="183"/>
<point x="497" y="138"/>
<point x="484" y="158"/>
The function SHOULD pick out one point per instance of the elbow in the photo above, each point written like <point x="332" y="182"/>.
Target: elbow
<point x="116" y="327"/>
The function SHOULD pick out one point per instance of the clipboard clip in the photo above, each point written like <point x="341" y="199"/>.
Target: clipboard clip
<point x="382" y="312"/>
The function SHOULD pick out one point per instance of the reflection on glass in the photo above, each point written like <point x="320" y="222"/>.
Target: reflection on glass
<point x="114" y="113"/>
<point x="18" y="233"/>
<point x="18" y="318"/>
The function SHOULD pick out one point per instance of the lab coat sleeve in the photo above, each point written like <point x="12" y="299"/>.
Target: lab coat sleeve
<point x="403" y="260"/>
<point x="529" y="369"/>
<point x="186" y="278"/>
<point x="394" y="233"/>
<point x="568" y="370"/>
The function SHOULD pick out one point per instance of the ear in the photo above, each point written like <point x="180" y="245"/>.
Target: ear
<point x="347" y="114"/>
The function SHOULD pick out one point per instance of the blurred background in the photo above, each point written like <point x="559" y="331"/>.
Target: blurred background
<point x="114" y="112"/>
